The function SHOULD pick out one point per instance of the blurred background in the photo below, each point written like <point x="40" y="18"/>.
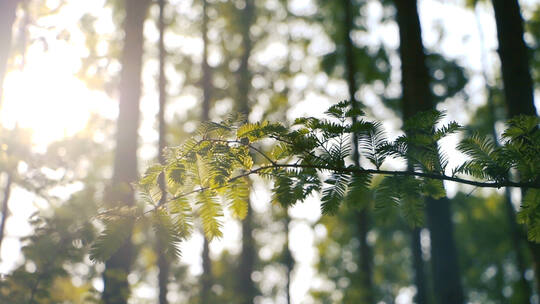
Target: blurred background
<point x="92" y="91"/>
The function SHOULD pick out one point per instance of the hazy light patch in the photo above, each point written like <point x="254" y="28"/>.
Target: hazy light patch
<point x="47" y="98"/>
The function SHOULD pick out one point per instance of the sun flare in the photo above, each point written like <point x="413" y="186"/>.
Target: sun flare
<point x="47" y="98"/>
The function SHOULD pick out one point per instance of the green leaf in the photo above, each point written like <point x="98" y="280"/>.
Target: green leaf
<point x="530" y="214"/>
<point x="168" y="234"/>
<point x="433" y="188"/>
<point x="182" y="215"/>
<point x="359" y="195"/>
<point x="151" y="175"/>
<point x="210" y="211"/>
<point x="333" y="195"/>
<point x="115" y="234"/>
<point x="238" y="195"/>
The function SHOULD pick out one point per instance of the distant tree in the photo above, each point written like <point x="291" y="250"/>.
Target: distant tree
<point x="517" y="80"/>
<point x="163" y="259"/>
<point x="117" y="267"/>
<point x="246" y="287"/>
<point x="417" y="97"/>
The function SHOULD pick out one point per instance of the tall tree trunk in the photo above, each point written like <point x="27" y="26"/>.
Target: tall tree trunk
<point x="163" y="260"/>
<point x="514" y="57"/>
<point x="8" y="9"/>
<point x="206" y="278"/>
<point x="116" y="288"/>
<point x="417" y="97"/>
<point x="246" y="286"/>
<point x="518" y="86"/>
<point x="365" y="269"/>
<point x="517" y="234"/>
<point x="5" y="208"/>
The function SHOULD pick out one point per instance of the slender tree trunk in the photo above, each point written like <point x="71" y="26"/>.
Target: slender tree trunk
<point x="206" y="278"/>
<point x="116" y="287"/>
<point x="246" y="287"/>
<point x="514" y="57"/>
<point x="518" y="86"/>
<point x="365" y="269"/>
<point x="8" y="9"/>
<point x="163" y="260"/>
<point x="207" y="75"/>
<point x="5" y="208"/>
<point x="289" y="260"/>
<point x="417" y="97"/>
<point x="247" y="290"/>
<point x="419" y="272"/>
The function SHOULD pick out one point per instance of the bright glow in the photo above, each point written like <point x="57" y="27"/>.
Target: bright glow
<point x="47" y="98"/>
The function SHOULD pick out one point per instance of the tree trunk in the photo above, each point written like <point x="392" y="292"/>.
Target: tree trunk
<point x="5" y="208"/>
<point x="116" y="288"/>
<point x="364" y="255"/>
<point x="246" y="287"/>
<point x="517" y="235"/>
<point x="514" y="57"/>
<point x="163" y="261"/>
<point x="417" y="97"/>
<point x="8" y="9"/>
<point x="247" y="290"/>
<point x="206" y="278"/>
<point x="419" y="272"/>
<point x="518" y="87"/>
<point x="289" y="260"/>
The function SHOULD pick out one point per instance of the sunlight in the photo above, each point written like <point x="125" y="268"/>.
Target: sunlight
<point x="47" y="98"/>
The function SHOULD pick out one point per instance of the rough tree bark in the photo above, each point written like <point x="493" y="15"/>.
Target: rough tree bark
<point x="417" y="97"/>
<point x="116" y="287"/>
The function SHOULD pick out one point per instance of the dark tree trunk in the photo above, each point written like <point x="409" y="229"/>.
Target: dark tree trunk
<point x="288" y="259"/>
<point x="206" y="277"/>
<point x="163" y="261"/>
<point x="5" y="208"/>
<point x="517" y="234"/>
<point x="419" y="272"/>
<point x="246" y="287"/>
<point x="514" y="57"/>
<point x="417" y="97"/>
<point x="364" y="256"/>
<point x="8" y="9"/>
<point x="116" y="288"/>
<point x="518" y="86"/>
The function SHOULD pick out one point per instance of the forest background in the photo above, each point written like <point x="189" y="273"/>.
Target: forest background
<point x="67" y="146"/>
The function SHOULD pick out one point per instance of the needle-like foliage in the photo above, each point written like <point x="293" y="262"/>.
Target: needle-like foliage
<point x="314" y="155"/>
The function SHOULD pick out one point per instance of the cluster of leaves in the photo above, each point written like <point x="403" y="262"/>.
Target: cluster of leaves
<point x="210" y="171"/>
